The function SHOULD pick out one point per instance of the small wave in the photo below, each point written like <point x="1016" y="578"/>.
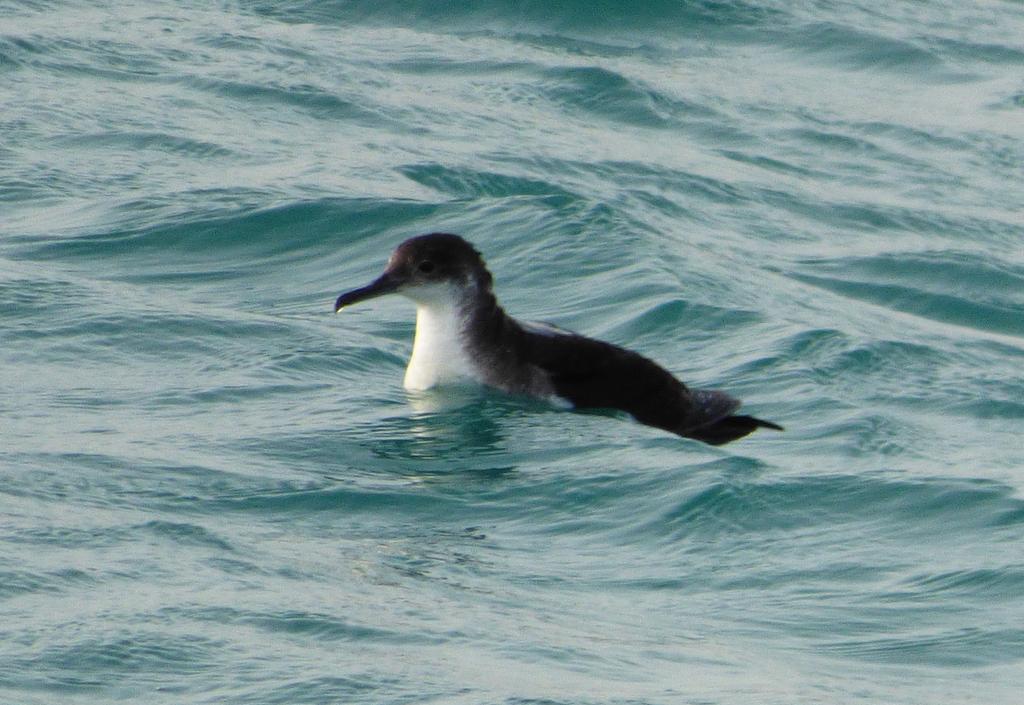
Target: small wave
<point x="323" y="627"/>
<point x="603" y="16"/>
<point x="608" y="95"/>
<point x="990" y="52"/>
<point x="979" y="584"/>
<point x="469" y="183"/>
<point x="22" y="582"/>
<point x="315" y="100"/>
<point x="236" y="237"/>
<point x="181" y="533"/>
<point x="159" y="141"/>
<point x="952" y="287"/>
<point x="347" y="499"/>
<point x="959" y="648"/>
<point x="848" y="46"/>
<point x="730" y="506"/>
<point x="108" y="654"/>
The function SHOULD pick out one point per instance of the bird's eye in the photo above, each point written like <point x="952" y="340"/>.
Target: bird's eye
<point x="426" y="266"/>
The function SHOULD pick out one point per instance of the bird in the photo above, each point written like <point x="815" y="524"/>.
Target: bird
<point x="463" y="334"/>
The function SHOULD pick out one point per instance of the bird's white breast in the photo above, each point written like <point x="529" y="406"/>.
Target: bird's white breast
<point x="438" y="353"/>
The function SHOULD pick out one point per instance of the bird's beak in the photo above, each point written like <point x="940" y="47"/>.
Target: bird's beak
<point x="386" y="283"/>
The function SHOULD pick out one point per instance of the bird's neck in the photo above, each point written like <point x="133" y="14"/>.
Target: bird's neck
<point x="449" y="327"/>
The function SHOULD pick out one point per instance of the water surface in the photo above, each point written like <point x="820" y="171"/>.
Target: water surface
<point x="213" y="489"/>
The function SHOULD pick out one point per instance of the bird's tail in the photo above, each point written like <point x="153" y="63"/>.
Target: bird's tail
<point x="729" y="429"/>
<point x="716" y="424"/>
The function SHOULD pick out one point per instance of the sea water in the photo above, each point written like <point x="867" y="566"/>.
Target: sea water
<point x="214" y="490"/>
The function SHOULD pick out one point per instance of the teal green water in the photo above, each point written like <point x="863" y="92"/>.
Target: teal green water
<point x="214" y="490"/>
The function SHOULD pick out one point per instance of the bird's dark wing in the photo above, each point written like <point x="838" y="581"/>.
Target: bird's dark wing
<point x="593" y="374"/>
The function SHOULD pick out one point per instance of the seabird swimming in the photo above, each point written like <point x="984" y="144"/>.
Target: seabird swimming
<point x="462" y="333"/>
